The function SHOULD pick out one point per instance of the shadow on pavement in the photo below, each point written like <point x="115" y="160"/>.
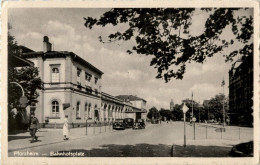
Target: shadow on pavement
<point x="200" y="151"/>
<point x="138" y="150"/>
<point x="10" y="138"/>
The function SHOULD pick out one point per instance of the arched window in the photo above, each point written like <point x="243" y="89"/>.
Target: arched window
<point x="105" y="117"/>
<point x="55" y="75"/>
<point x="89" y="110"/>
<point x="55" y="109"/>
<point x="78" y="110"/>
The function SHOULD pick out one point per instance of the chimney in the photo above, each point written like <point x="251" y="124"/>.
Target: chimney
<point x="46" y="44"/>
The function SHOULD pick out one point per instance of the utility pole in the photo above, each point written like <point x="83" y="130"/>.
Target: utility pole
<point x="199" y="114"/>
<point x="192" y="104"/>
<point x="223" y="85"/>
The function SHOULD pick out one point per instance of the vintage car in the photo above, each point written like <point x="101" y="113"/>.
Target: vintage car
<point x="139" y="124"/>
<point x="129" y="122"/>
<point x="119" y="124"/>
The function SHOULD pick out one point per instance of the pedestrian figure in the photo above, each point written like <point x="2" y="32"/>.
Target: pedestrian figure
<point x="228" y="121"/>
<point x="66" y="128"/>
<point x="95" y="120"/>
<point x="33" y="126"/>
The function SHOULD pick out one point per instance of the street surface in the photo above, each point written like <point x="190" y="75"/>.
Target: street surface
<point x="156" y="140"/>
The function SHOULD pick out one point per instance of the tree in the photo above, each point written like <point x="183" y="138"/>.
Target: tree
<point x="165" y="113"/>
<point x="153" y="113"/>
<point x="164" y="33"/>
<point x="177" y="112"/>
<point x="216" y="107"/>
<point x="27" y="77"/>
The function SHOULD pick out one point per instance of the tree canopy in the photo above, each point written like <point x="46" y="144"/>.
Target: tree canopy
<point x="27" y="77"/>
<point x="166" y="114"/>
<point x="164" y="34"/>
<point x="153" y="113"/>
<point x="216" y="106"/>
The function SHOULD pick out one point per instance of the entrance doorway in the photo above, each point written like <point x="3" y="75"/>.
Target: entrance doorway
<point x="138" y="115"/>
<point x="96" y="115"/>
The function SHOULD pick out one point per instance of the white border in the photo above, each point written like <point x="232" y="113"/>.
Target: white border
<point x="128" y="3"/>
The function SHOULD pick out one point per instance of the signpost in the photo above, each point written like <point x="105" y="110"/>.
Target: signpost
<point x="184" y="109"/>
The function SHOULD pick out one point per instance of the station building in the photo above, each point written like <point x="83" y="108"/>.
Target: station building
<point x="72" y="87"/>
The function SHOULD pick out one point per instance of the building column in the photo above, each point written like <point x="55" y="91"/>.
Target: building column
<point x="109" y="113"/>
<point x="113" y="114"/>
<point x="106" y="111"/>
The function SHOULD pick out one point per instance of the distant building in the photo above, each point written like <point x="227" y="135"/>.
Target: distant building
<point x="241" y="91"/>
<point x="139" y="106"/>
<point x="171" y="105"/>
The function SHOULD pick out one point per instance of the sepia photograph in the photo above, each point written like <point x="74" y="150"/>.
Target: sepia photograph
<point x="131" y="82"/>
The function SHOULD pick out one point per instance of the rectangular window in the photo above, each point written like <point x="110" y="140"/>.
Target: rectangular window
<point x="78" y="110"/>
<point x="88" y="79"/>
<point x="78" y="75"/>
<point x="96" y="80"/>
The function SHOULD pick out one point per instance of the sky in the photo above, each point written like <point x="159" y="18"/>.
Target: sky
<point x="124" y="74"/>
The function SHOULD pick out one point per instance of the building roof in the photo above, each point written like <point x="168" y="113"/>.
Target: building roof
<point x="17" y="61"/>
<point x="61" y="54"/>
<point x="23" y="49"/>
<point x="109" y="97"/>
<point x="130" y="98"/>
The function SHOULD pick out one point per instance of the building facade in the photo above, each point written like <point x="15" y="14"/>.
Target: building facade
<point x="241" y="92"/>
<point x="72" y="87"/>
<point x="138" y="105"/>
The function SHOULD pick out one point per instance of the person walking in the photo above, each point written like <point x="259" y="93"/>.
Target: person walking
<point x="33" y="126"/>
<point x="66" y="128"/>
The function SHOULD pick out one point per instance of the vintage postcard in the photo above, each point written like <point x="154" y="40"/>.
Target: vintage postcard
<point x="130" y="82"/>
